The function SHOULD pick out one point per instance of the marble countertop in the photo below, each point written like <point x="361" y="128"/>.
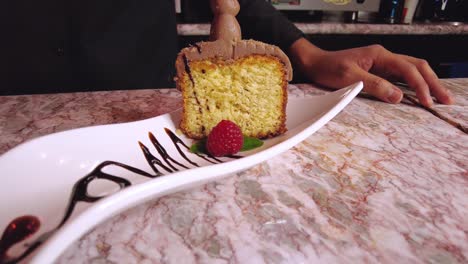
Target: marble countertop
<point x="378" y="183"/>
<point x="353" y="28"/>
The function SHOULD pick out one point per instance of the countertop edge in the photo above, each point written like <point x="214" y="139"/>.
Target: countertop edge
<point x="201" y="29"/>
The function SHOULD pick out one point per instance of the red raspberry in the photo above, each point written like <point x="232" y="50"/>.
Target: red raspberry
<point x="224" y="139"/>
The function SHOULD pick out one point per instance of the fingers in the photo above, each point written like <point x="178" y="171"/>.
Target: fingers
<point x="397" y="66"/>
<point x="416" y="73"/>
<point x="378" y="87"/>
<point x="436" y="88"/>
<point x="335" y="69"/>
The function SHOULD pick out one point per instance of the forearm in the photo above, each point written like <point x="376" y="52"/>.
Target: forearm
<point x="303" y="54"/>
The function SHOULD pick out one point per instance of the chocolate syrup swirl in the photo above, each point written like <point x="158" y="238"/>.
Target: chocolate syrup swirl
<point x="178" y="141"/>
<point x="24" y="227"/>
<point x="18" y="230"/>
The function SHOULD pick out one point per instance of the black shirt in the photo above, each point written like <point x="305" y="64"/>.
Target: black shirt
<point x="58" y="45"/>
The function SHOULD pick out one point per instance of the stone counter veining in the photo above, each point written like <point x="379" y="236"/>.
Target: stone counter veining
<point x="378" y="183"/>
<point x="456" y="112"/>
<point x="356" y="28"/>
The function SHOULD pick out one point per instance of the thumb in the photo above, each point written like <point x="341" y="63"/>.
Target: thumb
<point x="379" y="87"/>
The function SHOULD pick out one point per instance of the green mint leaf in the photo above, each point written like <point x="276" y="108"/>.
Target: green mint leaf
<point x="251" y="143"/>
<point x="199" y="147"/>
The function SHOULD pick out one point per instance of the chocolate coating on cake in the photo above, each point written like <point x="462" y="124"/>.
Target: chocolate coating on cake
<point x="226" y="42"/>
<point x="230" y="51"/>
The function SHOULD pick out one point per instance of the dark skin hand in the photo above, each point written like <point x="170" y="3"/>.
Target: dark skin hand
<point x="374" y="65"/>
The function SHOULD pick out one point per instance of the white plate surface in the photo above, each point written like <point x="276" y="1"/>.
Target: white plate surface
<point x="38" y="177"/>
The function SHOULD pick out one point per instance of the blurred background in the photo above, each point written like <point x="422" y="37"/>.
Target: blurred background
<point x="436" y="30"/>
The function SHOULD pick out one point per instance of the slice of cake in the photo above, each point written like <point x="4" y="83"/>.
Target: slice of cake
<point x="244" y="81"/>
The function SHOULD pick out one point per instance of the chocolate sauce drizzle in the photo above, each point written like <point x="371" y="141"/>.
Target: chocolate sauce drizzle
<point x="23" y="227"/>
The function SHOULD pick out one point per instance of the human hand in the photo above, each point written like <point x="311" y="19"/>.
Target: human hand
<point x="374" y="65"/>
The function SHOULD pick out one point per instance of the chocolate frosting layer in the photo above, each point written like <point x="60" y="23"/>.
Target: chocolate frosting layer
<point x="225" y="41"/>
<point x="230" y="50"/>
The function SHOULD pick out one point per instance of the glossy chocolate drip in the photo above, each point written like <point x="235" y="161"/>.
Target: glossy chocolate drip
<point x="177" y="141"/>
<point x="23" y="227"/>
<point x="17" y="230"/>
<point x="163" y="153"/>
<point x="80" y="189"/>
<point x="152" y="160"/>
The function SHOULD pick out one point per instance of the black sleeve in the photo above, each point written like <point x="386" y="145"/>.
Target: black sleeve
<point x="259" y="20"/>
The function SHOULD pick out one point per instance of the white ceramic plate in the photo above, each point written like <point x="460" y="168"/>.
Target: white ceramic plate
<point x="43" y="179"/>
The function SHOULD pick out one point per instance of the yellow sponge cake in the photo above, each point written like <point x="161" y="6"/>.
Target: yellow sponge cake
<point x="244" y="81"/>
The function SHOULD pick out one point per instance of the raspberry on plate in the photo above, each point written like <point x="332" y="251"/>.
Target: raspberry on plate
<point x="224" y="139"/>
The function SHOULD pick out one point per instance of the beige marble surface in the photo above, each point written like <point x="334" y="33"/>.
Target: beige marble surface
<point x="379" y="183"/>
<point x="456" y="112"/>
<point x="356" y="28"/>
